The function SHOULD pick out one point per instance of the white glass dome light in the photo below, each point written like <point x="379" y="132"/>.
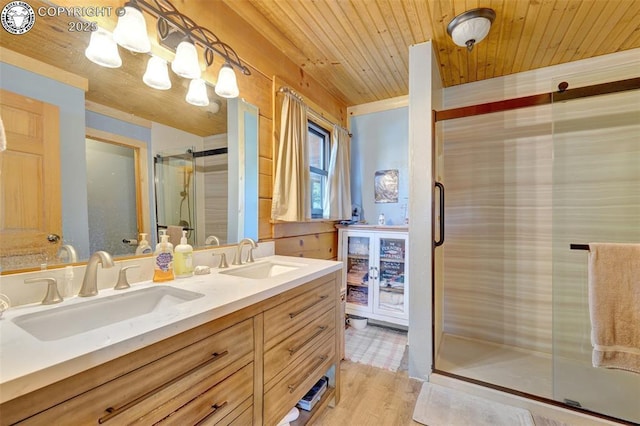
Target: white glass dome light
<point x="157" y="74"/>
<point x="227" y="85"/>
<point x="103" y="50"/>
<point x="186" y="62"/>
<point x="471" y="27"/>
<point x="197" y="94"/>
<point x="131" y="31"/>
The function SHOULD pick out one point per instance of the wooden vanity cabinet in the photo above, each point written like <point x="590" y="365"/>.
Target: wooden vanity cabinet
<point x="249" y="367"/>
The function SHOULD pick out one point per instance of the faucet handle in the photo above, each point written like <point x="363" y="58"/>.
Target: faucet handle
<point x="52" y="296"/>
<point x="223" y="260"/>
<point x="122" y="278"/>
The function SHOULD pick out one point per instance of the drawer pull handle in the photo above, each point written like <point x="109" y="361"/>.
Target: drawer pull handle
<point x="296" y="313"/>
<point x="317" y="365"/>
<point x="215" y="408"/>
<point x="303" y="344"/>
<point x="112" y="412"/>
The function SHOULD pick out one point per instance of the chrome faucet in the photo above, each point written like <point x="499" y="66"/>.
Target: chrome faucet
<point x="90" y="280"/>
<point x="237" y="259"/>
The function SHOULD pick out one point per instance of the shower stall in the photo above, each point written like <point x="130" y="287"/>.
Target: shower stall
<point x="523" y="186"/>
<point x="175" y="190"/>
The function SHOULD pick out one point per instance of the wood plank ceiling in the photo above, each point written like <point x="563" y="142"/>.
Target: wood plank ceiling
<point x="358" y="49"/>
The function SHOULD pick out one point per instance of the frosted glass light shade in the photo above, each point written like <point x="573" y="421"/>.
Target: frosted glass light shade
<point x="157" y="74"/>
<point x="103" y="50"/>
<point x="197" y="94"/>
<point x="186" y="62"/>
<point x="131" y="31"/>
<point x="227" y="85"/>
<point x="471" y="27"/>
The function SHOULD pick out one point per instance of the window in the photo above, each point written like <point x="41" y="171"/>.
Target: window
<point x="319" y="145"/>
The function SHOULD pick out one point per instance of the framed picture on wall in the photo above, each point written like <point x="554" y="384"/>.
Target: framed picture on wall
<point x="386" y="186"/>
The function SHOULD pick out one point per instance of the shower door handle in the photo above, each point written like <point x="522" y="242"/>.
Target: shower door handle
<point x="440" y="240"/>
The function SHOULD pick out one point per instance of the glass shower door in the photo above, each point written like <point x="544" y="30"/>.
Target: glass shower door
<point x="596" y="198"/>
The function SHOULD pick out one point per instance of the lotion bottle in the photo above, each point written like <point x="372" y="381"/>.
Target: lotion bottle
<point x="183" y="258"/>
<point x="163" y="259"/>
<point x="143" y="245"/>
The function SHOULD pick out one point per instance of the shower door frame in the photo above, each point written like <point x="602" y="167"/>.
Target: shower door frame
<point x="487" y="108"/>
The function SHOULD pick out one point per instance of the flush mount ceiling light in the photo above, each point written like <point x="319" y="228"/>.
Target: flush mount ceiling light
<point x="179" y="33"/>
<point x="471" y="27"/>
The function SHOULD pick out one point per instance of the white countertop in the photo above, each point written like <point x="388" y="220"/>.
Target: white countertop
<point x="27" y="364"/>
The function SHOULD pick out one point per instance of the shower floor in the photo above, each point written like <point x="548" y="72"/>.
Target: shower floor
<point x="514" y="368"/>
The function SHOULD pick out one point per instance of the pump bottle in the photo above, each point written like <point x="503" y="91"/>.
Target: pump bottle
<point x="183" y="258"/>
<point x="163" y="259"/>
<point x="143" y="245"/>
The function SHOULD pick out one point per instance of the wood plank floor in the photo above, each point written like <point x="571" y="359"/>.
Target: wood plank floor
<point x="373" y="396"/>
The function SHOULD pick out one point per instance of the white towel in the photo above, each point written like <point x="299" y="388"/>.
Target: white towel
<point x="614" y="305"/>
<point x="291" y="416"/>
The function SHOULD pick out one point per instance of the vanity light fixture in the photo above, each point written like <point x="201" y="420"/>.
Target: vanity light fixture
<point x="173" y="26"/>
<point x="471" y="27"/>
<point x="157" y="74"/>
<point x="103" y="50"/>
<point x="197" y="94"/>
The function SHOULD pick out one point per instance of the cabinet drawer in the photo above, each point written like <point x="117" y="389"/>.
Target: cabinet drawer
<point x="288" y="317"/>
<point x="215" y="403"/>
<point x="242" y="415"/>
<point x="297" y="378"/>
<point x="288" y="350"/>
<point x="134" y="394"/>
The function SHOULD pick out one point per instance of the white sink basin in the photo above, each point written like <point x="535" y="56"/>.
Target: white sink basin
<point x="65" y="321"/>
<point x="261" y="270"/>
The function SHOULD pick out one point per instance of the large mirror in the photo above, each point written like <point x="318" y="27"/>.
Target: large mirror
<point x="174" y="164"/>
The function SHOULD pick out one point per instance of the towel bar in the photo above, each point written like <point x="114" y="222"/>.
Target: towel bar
<point x="579" y="247"/>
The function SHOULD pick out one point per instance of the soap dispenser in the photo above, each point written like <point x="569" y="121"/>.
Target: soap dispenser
<point x="143" y="245"/>
<point x="163" y="259"/>
<point x="183" y="258"/>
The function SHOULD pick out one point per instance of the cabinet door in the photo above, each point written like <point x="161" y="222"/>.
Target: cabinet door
<point x="390" y="272"/>
<point x="357" y="256"/>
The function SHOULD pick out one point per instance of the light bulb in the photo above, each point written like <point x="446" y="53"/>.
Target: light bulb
<point x="186" y="62"/>
<point x="157" y="74"/>
<point x="197" y="94"/>
<point x="103" y="50"/>
<point x="227" y="85"/>
<point x="131" y="31"/>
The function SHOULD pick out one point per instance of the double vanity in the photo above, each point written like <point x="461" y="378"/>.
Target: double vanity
<point x="238" y="346"/>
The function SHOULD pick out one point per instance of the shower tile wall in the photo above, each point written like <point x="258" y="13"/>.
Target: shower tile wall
<point x="497" y="252"/>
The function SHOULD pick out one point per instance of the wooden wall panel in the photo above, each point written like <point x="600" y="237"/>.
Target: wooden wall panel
<point x="317" y="246"/>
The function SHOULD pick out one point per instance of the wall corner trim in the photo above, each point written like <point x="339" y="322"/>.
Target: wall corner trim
<point x="33" y="65"/>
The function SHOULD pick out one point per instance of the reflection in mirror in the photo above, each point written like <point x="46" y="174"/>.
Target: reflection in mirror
<point x="111" y="196"/>
<point x="81" y="226"/>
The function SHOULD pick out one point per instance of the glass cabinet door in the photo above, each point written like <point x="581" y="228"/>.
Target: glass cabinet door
<point x="390" y="273"/>
<point x="357" y="263"/>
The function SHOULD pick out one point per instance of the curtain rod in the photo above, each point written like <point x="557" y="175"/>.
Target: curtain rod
<point x="290" y="91"/>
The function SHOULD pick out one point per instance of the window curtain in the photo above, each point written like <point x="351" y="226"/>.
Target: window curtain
<point x="291" y="200"/>
<point x="337" y="202"/>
